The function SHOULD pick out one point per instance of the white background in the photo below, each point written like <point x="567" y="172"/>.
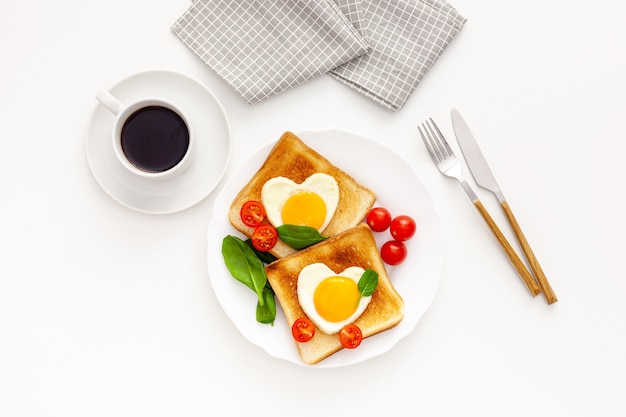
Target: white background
<point x="106" y="311"/>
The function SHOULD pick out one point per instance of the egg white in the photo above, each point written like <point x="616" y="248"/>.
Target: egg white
<point x="309" y="278"/>
<point x="276" y="192"/>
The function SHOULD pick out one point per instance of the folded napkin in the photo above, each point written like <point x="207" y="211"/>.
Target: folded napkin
<point x="406" y="37"/>
<point x="262" y="48"/>
<point x="380" y="48"/>
<point x="353" y="11"/>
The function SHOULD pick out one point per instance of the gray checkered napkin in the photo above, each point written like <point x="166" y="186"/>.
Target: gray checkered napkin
<point x="262" y="48"/>
<point x="406" y="37"/>
<point x="380" y="48"/>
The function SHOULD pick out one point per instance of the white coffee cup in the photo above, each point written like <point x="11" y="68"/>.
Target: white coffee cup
<point x="151" y="138"/>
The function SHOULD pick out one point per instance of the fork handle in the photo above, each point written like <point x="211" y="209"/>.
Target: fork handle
<point x="508" y="250"/>
<point x="532" y="260"/>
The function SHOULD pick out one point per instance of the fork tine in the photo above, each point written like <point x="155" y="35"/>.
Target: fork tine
<point x="428" y="144"/>
<point x="440" y="141"/>
<point x="436" y="143"/>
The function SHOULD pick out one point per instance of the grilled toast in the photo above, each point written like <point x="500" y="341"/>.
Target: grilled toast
<point x="354" y="247"/>
<point x="292" y="158"/>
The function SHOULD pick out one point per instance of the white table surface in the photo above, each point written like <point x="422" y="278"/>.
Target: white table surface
<point x="105" y="311"/>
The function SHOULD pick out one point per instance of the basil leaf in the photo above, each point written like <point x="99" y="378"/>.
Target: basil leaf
<point x="244" y="265"/>
<point x="299" y="237"/>
<point x="266" y="313"/>
<point x="368" y="283"/>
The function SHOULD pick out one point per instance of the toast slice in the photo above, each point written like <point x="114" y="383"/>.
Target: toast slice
<point x="354" y="247"/>
<point x="292" y="158"/>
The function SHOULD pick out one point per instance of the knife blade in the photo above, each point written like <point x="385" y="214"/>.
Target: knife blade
<point x="483" y="176"/>
<point x="474" y="157"/>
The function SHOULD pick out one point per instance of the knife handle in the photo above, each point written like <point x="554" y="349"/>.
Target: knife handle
<point x="508" y="250"/>
<point x="532" y="260"/>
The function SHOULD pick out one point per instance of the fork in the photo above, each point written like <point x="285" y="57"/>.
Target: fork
<point x="447" y="162"/>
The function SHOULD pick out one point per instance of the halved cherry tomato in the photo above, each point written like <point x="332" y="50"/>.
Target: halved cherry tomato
<point x="303" y="330"/>
<point x="252" y="213"/>
<point x="350" y="336"/>
<point x="264" y="237"/>
<point x="378" y="219"/>
<point x="393" y="252"/>
<point x="402" y="228"/>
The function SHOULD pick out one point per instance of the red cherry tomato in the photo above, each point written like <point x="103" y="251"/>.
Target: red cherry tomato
<point x="350" y="336"/>
<point x="393" y="252"/>
<point x="402" y="228"/>
<point x="378" y="219"/>
<point x="252" y="213"/>
<point x="264" y="237"/>
<point x="303" y="330"/>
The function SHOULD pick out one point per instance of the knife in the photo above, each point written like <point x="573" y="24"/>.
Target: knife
<point x="484" y="178"/>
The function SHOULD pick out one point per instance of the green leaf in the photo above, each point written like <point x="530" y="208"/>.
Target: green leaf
<point x="299" y="237"/>
<point x="267" y="313"/>
<point x="244" y="265"/>
<point x="368" y="283"/>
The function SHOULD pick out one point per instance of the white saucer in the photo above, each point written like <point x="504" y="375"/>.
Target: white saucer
<point x="212" y="141"/>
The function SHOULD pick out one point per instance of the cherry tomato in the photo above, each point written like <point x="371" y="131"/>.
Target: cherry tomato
<point x="402" y="228"/>
<point x="393" y="252"/>
<point x="378" y="219"/>
<point x="252" y="213"/>
<point x="303" y="330"/>
<point x="264" y="237"/>
<point x="350" y="336"/>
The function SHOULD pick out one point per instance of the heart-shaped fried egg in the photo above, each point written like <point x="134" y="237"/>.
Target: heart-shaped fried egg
<point x="331" y="300"/>
<point x="311" y="203"/>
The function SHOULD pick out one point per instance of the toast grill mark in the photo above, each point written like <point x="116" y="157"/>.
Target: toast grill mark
<point x="302" y="168"/>
<point x="343" y="256"/>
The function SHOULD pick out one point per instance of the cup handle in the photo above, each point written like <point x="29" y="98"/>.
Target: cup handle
<point x="107" y="100"/>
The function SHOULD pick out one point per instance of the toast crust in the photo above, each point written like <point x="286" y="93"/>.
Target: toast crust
<point x="292" y="158"/>
<point x="354" y="247"/>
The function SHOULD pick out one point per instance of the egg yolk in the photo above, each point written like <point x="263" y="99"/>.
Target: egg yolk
<point x="304" y="209"/>
<point x="336" y="298"/>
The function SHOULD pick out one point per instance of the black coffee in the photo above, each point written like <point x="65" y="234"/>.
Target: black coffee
<point x="155" y="138"/>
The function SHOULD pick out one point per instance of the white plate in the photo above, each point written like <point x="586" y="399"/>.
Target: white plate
<point x="397" y="188"/>
<point x="211" y="130"/>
